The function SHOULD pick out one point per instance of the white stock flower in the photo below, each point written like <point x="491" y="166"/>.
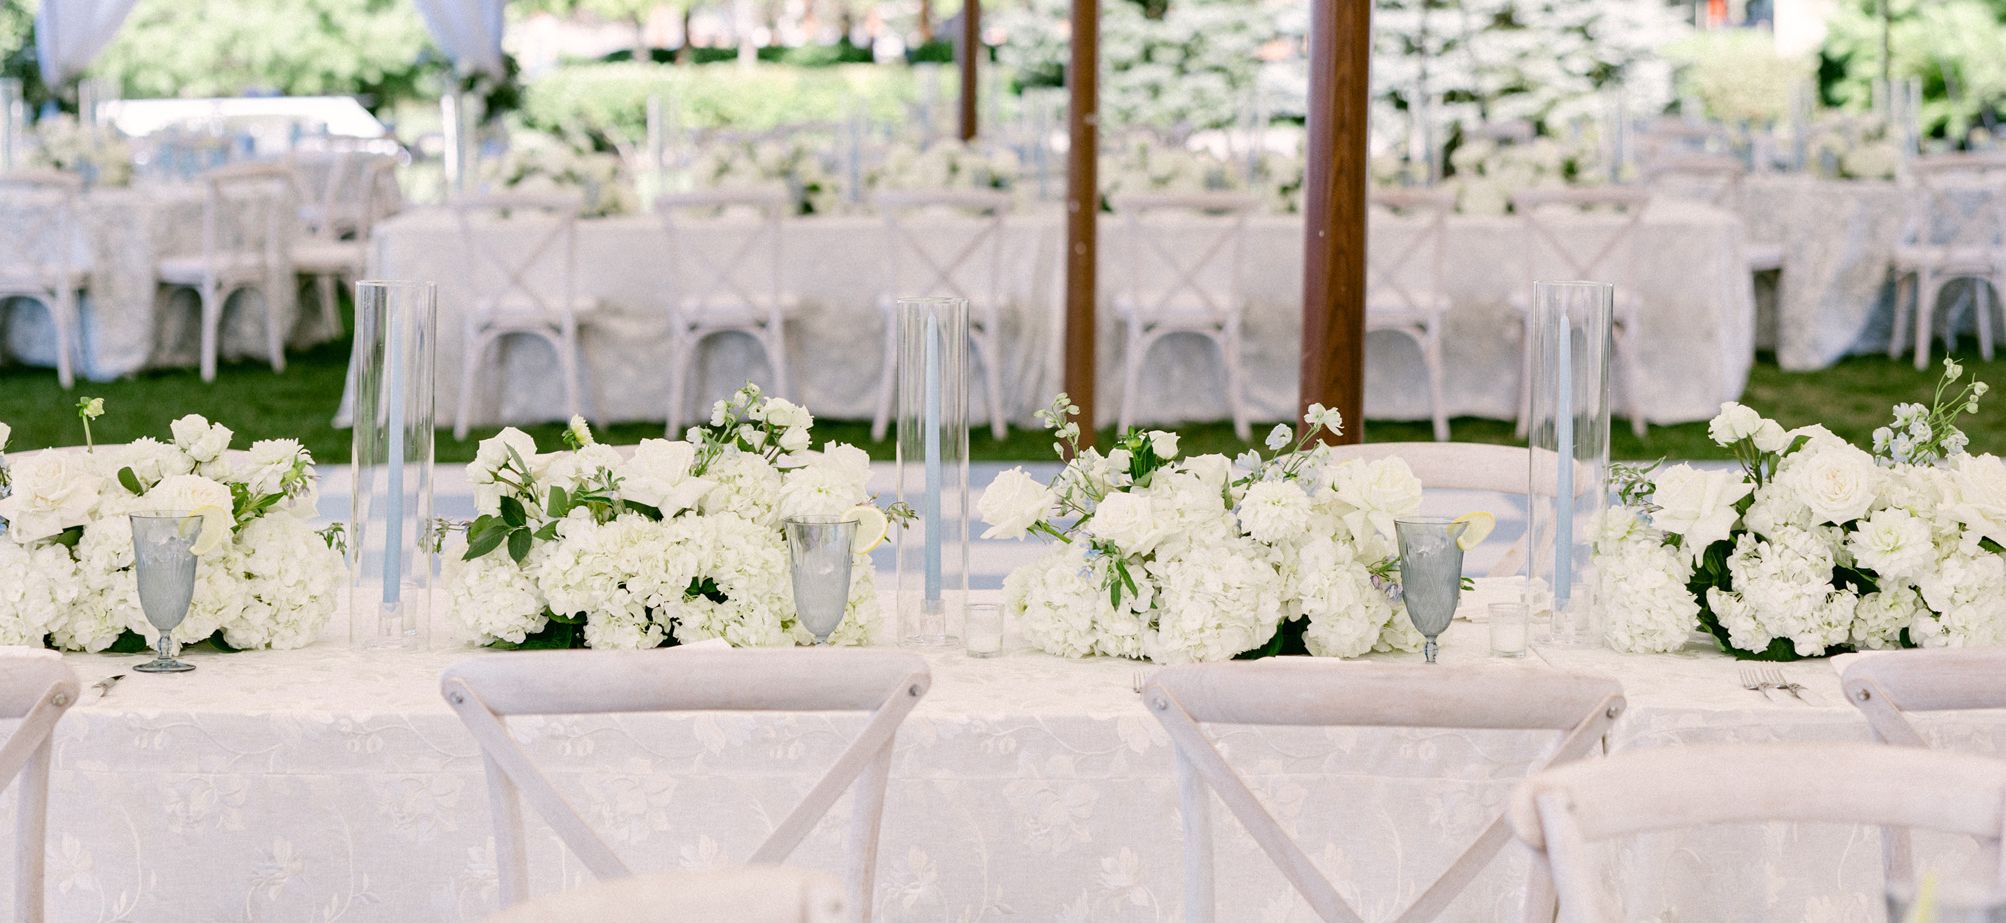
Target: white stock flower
<point x="657" y="474"/>
<point x="1979" y="482"/>
<point x="203" y="441"/>
<point x="1698" y="505"/>
<point x="1734" y="423"/>
<point x="1013" y="503"/>
<point x="1892" y="543"/>
<point x="52" y="491"/>
<point x="1838" y="483"/>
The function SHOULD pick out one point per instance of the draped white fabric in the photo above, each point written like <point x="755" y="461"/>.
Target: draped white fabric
<point x="469" y="31"/>
<point x="70" y="33"/>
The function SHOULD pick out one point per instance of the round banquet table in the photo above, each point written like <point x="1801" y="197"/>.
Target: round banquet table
<point x="329" y="783"/>
<point x="1838" y="239"/>
<point x="1696" y="320"/>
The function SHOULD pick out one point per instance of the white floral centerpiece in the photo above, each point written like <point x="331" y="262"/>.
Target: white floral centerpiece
<point x="678" y="541"/>
<point x="946" y="164"/>
<point x="100" y="155"/>
<point x="1815" y="546"/>
<point x="266" y="578"/>
<point x="1487" y="173"/>
<point x="1207" y="558"/>
<point x="791" y="162"/>
<point x="538" y="162"/>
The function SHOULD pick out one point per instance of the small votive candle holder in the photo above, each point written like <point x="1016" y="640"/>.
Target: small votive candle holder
<point x="1508" y="629"/>
<point x="982" y="629"/>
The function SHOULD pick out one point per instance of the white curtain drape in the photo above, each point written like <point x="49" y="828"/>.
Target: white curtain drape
<point x="70" y="33"/>
<point x="469" y="31"/>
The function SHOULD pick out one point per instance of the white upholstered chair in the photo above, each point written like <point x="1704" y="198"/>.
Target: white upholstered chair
<point x="1404" y="289"/>
<point x="1955" y="229"/>
<point x="523" y="251"/>
<point x="489" y="689"/>
<point x="945" y="243"/>
<point x="1716" y="180"/>
<point x="248" y="211"/>
<point x="1588" y="235"/>
<point x="748" y="894"/>
<point x="1305" y="692"/>
<point x="739" y="291"/>
<point x="1180" y="273"/>
<point x="35" y="691"/>
<point x="1502" y="469"/>
<point x="352" y="195"/>
<point x="1565" y="813"/>
<point x="43" y="260"/>
<point x="1887" y="686"/>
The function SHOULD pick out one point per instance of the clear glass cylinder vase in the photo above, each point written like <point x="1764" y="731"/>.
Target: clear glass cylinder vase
<point x="932" y="469"/>
<point x="1568" y="432"/>
<point x="392" y="545"/>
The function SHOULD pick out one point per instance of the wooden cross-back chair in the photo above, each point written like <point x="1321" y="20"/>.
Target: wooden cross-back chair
<point x="1405" y="292"/>
<point x="971" y="271"/>
<point x="737" y="291"/>
<point x="1885" y="687"/>
<point x="1563" y="814"/>
<point x="747" y="894"/>
<point x="39" y="255"/>
<point x="1307" y="693"/>
<point x="248" y="211"/>
<point x="36" y="691"/>
<point x="1168" y="287"/>
<point x="1586" y="235"/>
<point x="487" y="690"/>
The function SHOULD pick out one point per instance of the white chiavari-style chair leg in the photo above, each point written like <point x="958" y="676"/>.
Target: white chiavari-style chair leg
<point x="1925" y="306"/>
<point x="1431" y="358"/>
<point x="1236" y="381"/>
<point x="1904" y="286"/>
<point x="1131" y="375"/>
<point x="211" y="320"/>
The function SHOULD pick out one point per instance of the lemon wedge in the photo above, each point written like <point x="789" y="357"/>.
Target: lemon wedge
<point x="213" y="525"/>
<point x="1479" y="528"/>
<point x="872" y="527"/>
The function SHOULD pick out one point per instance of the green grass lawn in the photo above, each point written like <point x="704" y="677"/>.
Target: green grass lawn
<point x="1852" y="398"/>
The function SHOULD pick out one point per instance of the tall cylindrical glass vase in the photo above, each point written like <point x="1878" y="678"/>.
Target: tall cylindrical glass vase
<point x="1568" y="433"/>
<point x="391" y="540"/>
<point x="932" y="462"/>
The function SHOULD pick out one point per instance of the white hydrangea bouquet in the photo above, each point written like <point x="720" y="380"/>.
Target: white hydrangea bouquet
<point x="678" y="541"/>
<point x="1207" y="558"/>
<point x="1815" y="546"/>
<point x="946" y="164"/>
<point x="266" y="578"/>
<point x="789" y="161"/>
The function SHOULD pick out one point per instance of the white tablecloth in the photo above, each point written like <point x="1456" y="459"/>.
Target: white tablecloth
<point x="1838" y="239"/>
<point x="1697" y="321"/>
<point x="334" y="784"/>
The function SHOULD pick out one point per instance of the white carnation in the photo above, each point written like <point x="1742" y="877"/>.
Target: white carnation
<point x="1893" y="543"/>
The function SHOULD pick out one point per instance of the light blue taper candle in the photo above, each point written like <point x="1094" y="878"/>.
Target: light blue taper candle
<point x="393" y="535"/>
<point x="1563" y="421"/>
<point x="931" y="426"/>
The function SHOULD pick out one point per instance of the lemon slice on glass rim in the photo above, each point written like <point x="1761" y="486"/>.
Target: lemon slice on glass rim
<point x="872" y="527"/>
<point x="1479" y="528"/>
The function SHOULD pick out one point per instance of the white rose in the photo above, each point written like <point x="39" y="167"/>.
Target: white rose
<point x="493" y="454"/>
<point x="1734" y="423"/>
<point x="1892" y="543"/>
<point x="52" y="492"/>
<point x="1771" y="437"/>
<point x="1126" y="521"/>
<point x="1979" y="501"/>
<point x="1698" y="505"/>
<point x="203" y="441"/>
<point x="150" y="460"/>
<point x="658" y="475"/>
<point x="196" y="496"/>
<point x="1163" y="444"/>
<point x="1013" y="503"/>
<point x="1374" y="493"/>
<point x="1837" y="482"/>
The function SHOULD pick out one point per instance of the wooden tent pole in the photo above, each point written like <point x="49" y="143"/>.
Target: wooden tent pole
<point x="970" y="53"/>
<point x="1082" y="211"/>
<point x="1333" y="339"/>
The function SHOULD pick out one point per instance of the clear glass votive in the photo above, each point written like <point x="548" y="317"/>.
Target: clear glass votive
<point x="982" y="629"/>
<point x="1508" y="628"/>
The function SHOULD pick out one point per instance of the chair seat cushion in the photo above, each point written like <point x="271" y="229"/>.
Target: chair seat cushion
<point x="520" y="311"/>
<point x="1945" y="258"/>
<point x="1763" y="257"/>
<point x="1177" y="313"/>
<point x="326" y="257"/>
<point x="1411" y="308"/>
<point x="192" y="269"/>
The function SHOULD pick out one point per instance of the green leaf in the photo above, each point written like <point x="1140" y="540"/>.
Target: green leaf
<point x="1992" y="546"/>
<point x="216" y="641"/>
<point x="644" y="509"/>
<point x="548" y="533"/>
<point x="129" y="479"/>
<point x="484" y="542"/>
<point x="518" y="545"/>
<point x="559" y="503"/>
<point x="129" y="642"/>
<point x="512" y="512"/>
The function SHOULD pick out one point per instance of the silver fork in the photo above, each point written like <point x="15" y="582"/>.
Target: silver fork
<point x="1751" y="679"/>
<point x="1135" y="682"/>
<point x="1774" y="677"/>
<point x="103" y="687"/>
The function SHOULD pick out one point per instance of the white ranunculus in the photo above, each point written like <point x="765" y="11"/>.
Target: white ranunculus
<point x="52" y="491"/>
<point x="1013" y="503"/>
<point x="1127" y="521"/>
<point x="1734" y="423"/>
<point x="1893" y="544"/>
<point x="1979" y="503"/>
<point x="203" y="441"/>
<point x="658" y="475"/>
<point x="1698" y="504"/>
<point x="1838" y="483"/>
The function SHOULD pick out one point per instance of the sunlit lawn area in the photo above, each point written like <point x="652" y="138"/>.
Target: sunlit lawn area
<point x="1851" y="398"/>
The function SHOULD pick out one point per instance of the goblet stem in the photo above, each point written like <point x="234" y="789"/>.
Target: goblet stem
<point x="1428" y="650"/>
<point x="164" y="649"/>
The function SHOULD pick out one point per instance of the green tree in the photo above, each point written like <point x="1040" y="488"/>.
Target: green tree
<point x="631" y="13"/>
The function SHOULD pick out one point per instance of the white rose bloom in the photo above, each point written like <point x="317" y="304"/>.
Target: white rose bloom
<point x="1163" y="444"/>
<point x="1698" y="505"/>
<point x="1979" y="499"/>
<point x="203" y="441"/>
<point x="52" y="491"/>
<point x="1127" y="521"/>
<point x="658" y="475"/>
<point x="1838" y="483"/>
<point x="1370" y="495"/>
<point x="1734" y="423"/>
<point x="1275" y="512"/>
<point x="1893" y="544"/>
<point x="197" y="496"/>
<point x="1771" y="437"/>
<point x="1013" y="503"/>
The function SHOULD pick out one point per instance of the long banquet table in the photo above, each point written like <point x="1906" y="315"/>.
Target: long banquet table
<point x="329" y="783"/>
<point x="1696" y="325"/>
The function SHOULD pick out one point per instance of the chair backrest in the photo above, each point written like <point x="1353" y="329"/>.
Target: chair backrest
<point x="38" y="226"/>
<point x="36" y="691"/>
<point x="1177" y="247"/>
<point x="334" y="189"/>
<point x="524" y="247"/>
<point x="1403" y="254"/>
<point x="248" y="213"/>
<point x="1314" y="693"/>
<point x="486" y="690"/>
<point x="1885" y="686"/>
<point x="1959" y="200"/>
<point x="748" y="894"/>
<point x="945" y="243"/>
<point x="1499" y="469"/>
<point x="1714" y="179"/>
<point x="1561" y="813"/>
<point x="1580" y="234"/>
<point x="725" y="249"/>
